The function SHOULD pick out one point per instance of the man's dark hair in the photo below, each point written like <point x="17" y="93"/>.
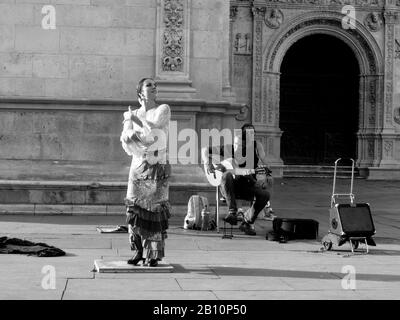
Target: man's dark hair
<point x="245" y="127"/>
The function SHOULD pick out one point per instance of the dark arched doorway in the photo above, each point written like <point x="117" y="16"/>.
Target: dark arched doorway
<point x="319" y="97"/>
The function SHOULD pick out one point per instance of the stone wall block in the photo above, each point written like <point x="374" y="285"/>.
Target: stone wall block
<point x="96" y="67"/>
<point x="101" y="124"/>
<point x="207" y="77"/>
<point x="142" y="3"/>
<point x="36" y="39"/>
<point x="59" y="88"/>
<point x="139" y="17"/>
<point x="15" y="64"/>
<point x="99" y="41"/>
<point x="139" y="42"/>
<point x="7" y="34"/>
<point x="206" y="44"/>
<point x="14" y="196"/>
<point x="206" y="20"/>
<point x="30" y="87"/>
<point x="23" y="146"/>
<point x="95" y="148"/>
<point x="7" y="87"/>
<point x="16" y="14"/>
<point x="50" y="66"/>
<point x="50" y="146"/>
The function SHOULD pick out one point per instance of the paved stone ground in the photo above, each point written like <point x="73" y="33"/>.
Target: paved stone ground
<point x="207" y="267"/>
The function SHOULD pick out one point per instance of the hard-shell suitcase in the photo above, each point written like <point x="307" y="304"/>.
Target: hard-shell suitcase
<point x="292" y="228"/>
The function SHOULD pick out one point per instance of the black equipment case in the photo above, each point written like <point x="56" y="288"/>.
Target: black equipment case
<point x="292" y="229"/>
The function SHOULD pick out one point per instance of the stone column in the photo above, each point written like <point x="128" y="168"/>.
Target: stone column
<point x="369" y="120"/>
<point x="258" y="20"/>
<point x="269" y="125"/>
<point x="265" y="97"/>
<point x="386" y="149"/>
<point x="173" y="49"/>
<point x="227" y="91"/>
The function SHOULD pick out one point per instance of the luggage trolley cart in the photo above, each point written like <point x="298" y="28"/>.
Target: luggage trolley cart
<point x="348" y="221"/>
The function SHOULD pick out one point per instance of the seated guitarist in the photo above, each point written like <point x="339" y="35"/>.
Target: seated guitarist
<point x="241" y="186"/>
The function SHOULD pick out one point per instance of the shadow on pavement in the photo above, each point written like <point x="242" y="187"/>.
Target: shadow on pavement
<point x="258" y="272"/>
<point x="359" y="252"/>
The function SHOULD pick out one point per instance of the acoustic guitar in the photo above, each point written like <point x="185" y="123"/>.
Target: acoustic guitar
<point x="214" y="178"/>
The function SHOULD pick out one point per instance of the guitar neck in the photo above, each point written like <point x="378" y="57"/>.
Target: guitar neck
<point x="241" y="171"/>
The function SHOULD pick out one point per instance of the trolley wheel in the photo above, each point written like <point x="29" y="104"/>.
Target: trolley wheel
<point x="327" y="245"/>
<point x="356" y="244"/>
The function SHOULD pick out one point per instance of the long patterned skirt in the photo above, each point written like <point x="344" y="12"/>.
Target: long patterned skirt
<point x="148" y="208"/>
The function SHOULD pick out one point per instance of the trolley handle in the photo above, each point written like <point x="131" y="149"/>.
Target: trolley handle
<point x="351" y="195"/>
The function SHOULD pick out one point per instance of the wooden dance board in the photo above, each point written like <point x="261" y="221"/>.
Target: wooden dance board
<point x="121" y="266"/>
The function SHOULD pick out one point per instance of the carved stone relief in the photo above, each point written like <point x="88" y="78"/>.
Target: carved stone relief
<point x="380" y="148"/>
<point x="370" y="148"/>
<point x="397" y="50"/>
<point x="242" y="44"/>
<point x="173" y="49"/>
<point x="273" y="18"/>
<point x="233" y="12"/>
<point x="373" y="21"/>
<point x="270" y="146"/>
<point x="258" y="13"/>
<point x="390" y="19"/>
<point x="326" y="21"/>
<point x="388" y="149"/>
<point x="372" y="99"/>
<point x="388" y="101"/>
<point x="396" y="116"/>
<point x="369" y="3"/>
<point x="243" y="113"/>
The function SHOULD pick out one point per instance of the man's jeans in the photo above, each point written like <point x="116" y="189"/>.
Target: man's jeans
<point x="245" y="188"/>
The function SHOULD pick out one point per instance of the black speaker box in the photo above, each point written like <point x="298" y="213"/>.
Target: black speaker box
<point x="351" y="220"/>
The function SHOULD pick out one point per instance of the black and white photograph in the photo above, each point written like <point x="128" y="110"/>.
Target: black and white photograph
<point x="200" y="155"/>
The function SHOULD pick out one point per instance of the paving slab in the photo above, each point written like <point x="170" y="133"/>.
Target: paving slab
<point x="243" y="243"/>
<point x="79" y="243"/>
<point x="375" y="294"/>
<point x="231" y="282"/>
<point x="288" y="295"/>
<point x="64" y="267"/>
<point x="121" y="266"/>
<point x="180" y="271"/>
<point x="33" y="291"/>
<point x="132" y="294"/>
<point x="134" y="288"/>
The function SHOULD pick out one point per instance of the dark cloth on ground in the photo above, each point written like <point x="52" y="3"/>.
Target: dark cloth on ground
<point x="15" y="245"/>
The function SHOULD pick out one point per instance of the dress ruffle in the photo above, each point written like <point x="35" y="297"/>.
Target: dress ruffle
<point x="149" y="224"/>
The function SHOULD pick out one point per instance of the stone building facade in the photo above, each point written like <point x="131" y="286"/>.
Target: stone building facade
<point x="217" y="63"/>
<point x="374" y="39"/>
<point x="64" y="88"/>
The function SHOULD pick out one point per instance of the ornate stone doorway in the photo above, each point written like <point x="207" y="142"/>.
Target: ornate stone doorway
<point x="319" y="101"/>
<point x="268" y="57"/>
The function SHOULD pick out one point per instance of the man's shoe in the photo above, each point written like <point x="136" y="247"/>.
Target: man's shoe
<point x="247" y="228"/>
<point x="231" y="218"/>
<point x="269" y="217"/>
<point x="240" y="215"/>
<point x="269" y="213"/>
